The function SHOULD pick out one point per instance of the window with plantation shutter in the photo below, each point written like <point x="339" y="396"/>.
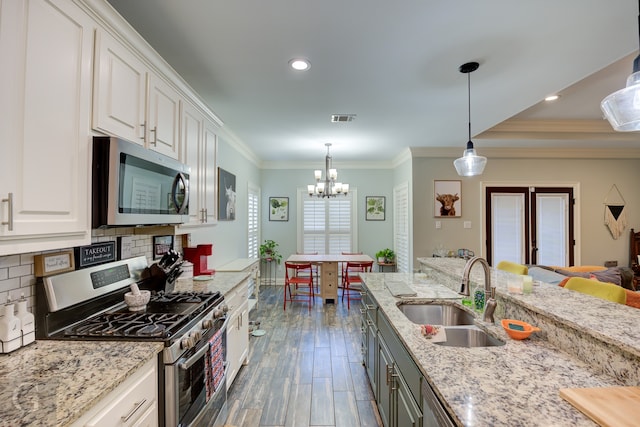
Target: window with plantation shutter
<point x="401" y="227"/>
<point x="253" y="226"/>
<point x="327" y="225"/>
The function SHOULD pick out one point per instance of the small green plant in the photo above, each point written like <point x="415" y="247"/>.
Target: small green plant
<point x="386" y="254"/>
<point x="268" y="251"/>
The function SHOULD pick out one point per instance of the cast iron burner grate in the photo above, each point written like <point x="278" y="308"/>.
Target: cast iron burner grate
<point x="128" y="325"/>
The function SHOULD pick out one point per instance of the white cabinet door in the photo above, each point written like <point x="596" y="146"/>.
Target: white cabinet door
<point x="45" y="80"/>
<point x="163" y="117"/>
<point x="132" y="102"/>
<point x="191" y="137"/>
<point x="199" y="148"/>
<point x="237" y="330"/>
<point x="120" y="90"/>
<point x="209" y="159"/>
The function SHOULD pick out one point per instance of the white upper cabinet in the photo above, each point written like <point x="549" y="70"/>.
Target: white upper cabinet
<point x="46" y="51"/>
<point x="199" y="142"/>
<point x="132" y="102"/>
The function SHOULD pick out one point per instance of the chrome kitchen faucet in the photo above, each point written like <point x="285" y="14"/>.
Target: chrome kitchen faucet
<point x="489" y="291"/>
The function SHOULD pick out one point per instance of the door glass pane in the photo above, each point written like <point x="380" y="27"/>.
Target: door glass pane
<point x="507" y="227"/>
<point x="551" y="226"/>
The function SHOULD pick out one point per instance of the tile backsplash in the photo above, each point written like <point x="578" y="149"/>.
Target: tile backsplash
<point x="17" y="277"/>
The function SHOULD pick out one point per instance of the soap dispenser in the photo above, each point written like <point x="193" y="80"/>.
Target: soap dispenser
<point x="27" y="322"/>
<point x="10" y="330"/>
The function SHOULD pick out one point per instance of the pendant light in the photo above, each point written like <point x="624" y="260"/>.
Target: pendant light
<point x="470" y="164"/>
<point x="622" y="108"/>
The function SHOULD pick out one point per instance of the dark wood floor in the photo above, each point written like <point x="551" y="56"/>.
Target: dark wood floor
<point x="306" y="370"/>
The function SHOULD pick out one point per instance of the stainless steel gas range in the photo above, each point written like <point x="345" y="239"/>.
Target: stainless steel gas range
<point x="89" y="304"/>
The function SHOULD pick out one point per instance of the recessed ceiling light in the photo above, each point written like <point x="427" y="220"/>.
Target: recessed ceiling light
<point x="552" y="98"/>
<point x="300" y="64"/>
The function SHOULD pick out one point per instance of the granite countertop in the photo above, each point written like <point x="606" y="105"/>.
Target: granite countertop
<point x="511" y="385"/>
<point x="221" y="281"/>
<point x="53" y="383"/>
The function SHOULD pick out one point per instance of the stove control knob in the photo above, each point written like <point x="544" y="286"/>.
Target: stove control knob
<point x="196" y="335"/>
<point x="187" y="343"/>
<point x="207" y="323"/>
<point x="217" y="313"/>
<point x="225" y="308"/>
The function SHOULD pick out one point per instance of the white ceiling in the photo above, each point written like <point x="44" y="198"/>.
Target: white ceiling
<point x="395" y="65"/>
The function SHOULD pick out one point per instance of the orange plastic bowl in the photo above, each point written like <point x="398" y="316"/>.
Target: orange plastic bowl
<point x="517" y="329"/>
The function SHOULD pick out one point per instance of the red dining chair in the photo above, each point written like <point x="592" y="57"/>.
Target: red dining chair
<point x="299" y="276"/>
<point x="343" y="270"/>
<point x="314" y="270"/>
<point x="353" y="282"/>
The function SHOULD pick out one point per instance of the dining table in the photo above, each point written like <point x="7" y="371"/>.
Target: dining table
<point x="329" y="276"/>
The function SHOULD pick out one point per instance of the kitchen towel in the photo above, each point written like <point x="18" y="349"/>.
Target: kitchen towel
<point x="400" y="289"/>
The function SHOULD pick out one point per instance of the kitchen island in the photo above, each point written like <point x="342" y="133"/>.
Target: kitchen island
<point x="517" y="383"/>
<point x="53" y="383"/>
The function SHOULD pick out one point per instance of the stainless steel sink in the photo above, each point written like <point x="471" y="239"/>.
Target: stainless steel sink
<point x="469" y="337"/>
<point x="436" y="314"/>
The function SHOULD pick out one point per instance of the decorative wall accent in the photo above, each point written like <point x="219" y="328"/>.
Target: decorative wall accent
<point x="447" y="198"/>
<point x="226" y="195"/>
<point x="375" y="208"/>
<point x="615" y="216"/>
<point x="278" y="209"/>
<point x="161" y="245"/>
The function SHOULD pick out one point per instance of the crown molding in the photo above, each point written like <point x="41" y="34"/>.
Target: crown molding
<point x="557" y="130"/>
<point x="531" y="153"/>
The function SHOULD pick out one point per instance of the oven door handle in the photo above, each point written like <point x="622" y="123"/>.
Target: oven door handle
<point x="198" y="354"/>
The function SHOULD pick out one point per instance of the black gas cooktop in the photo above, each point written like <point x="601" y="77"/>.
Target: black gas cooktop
<point x="165" y="315"/>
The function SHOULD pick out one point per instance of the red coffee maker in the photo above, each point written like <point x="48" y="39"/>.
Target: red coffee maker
<point x="198" y="257"/>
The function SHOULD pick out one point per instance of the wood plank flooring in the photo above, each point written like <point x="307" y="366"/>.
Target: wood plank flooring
<point x="306" y="370"/>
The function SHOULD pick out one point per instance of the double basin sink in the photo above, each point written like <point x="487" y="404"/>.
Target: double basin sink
<point x="458" y="322"/>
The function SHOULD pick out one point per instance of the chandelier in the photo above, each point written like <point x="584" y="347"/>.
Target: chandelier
<point x="327" y="187"/>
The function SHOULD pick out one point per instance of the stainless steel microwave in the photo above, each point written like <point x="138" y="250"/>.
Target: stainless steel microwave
<point x="135" y="186"/>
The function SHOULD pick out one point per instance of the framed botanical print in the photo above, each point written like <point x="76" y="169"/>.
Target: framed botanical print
<point x="278" y="209"/>
<point x="447" y="200"/>
<point x="375" y="208"/>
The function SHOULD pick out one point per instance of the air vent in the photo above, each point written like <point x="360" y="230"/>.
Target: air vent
<point x="339" y="118"/>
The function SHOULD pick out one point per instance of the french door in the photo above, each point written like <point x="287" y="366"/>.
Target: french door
<point x="530" y="225"/>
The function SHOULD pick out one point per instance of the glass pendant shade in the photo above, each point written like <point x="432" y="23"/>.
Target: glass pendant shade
<point x="470" y="164"/>
<point x="622" y="108"/>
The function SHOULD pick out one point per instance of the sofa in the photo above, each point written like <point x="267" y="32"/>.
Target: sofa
<point x="621" y="276"/>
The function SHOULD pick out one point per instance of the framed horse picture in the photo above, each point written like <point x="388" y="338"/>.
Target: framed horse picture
<point x="226" y="195"/>
<point x="447" y="199"/>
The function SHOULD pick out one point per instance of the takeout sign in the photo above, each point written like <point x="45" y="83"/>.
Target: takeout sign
<point x="97" y="253"/>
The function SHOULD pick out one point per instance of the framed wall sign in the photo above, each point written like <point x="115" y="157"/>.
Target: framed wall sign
<point x="278" y="209"/>
<point x="226" y="195"/>
<point x="375" y="208"/>
<point x="447" y="200"/>
<point x="161" y="245"/>
<point x="94" y="254"/>
<point x="53" y="263"/>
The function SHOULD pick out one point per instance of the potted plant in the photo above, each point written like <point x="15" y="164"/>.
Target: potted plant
<point x="385" y="255"/>
<point x="268" y="251"/>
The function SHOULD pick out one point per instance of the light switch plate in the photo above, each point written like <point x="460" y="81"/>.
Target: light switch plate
<point x="438" y="225"/>
<point x="467" y="224"/>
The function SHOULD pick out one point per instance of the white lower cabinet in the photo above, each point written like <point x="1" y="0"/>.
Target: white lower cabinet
<point x="132" y="403"/>
<point x="237" y="330"/>
<point x="45" y="80"/>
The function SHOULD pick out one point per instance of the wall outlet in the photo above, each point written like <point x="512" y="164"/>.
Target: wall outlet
<point x="467" y="224"/>
<point x="438" y="225"/>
